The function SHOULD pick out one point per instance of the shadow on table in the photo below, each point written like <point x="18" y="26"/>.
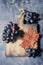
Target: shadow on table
<point x="39" y="50"/>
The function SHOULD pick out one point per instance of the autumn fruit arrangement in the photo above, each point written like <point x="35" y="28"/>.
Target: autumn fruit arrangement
<point x="22" y="39"/>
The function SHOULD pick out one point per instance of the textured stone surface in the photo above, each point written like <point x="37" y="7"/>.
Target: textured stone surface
<point x="8" y="12"/>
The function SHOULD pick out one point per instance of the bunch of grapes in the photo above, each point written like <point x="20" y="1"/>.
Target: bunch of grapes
<point x="31" y="52"/>
<point x="31" y="17"/>
<point x="11" y="32"/>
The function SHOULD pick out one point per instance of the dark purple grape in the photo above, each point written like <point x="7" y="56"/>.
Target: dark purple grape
<point x="11" y="23"/>
<point x="8" y="26"/>
<point x="33" y="53"/>
<point x="26" y="13"/>
<point x="34" y="17"/>
<point x="4" y="35"/>
<point x="26" y="19"/>
<point x="16" y="26"/>
<point x="12" y="34"/>
<point x="8" y="31"/>
<point x="3" y="38"/>
<point x="28" y="50"/>
<point x="31" y="21"/>
<point x="11" y="38"/>
<point x="5" y="28"/>
<point x="16" y="33"/>
<point x="7" y="41"/>
<point x="29" y="55"/>
<point x="14" y="38"/>
<point x="7" y="37"/>
<point x="27" y="16"/>
<point x="30" y="14"/>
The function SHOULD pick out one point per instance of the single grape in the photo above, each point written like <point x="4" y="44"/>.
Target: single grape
<point x="27" y="15"/>
<point x="8" y="31"/>
<point x="7" y="41"/>
<point x="3" y="38"/>
<point x="30" y="13"/>
<point x="33" y="53"/>
<point x="16" y="26"/>
<point x="14" y="38"/>
<point x="26" y="19"/>
<point x="11" y="34"/>
<point x="16" y="33"/>
<point x="4" y="34"/>
<point x="11" y="23"/>
<point x="8" y="26"/>
<point x="31" y="21"/>
<point x="11" y="38"/>
<point x="7" y="38"/>
<point x="28" y="50"/>
<point x="34" y="17"/>
<point x="5" y="28"/>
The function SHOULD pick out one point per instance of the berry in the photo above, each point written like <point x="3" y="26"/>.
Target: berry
<point x="33" y="53"/>
<point x="11" y="38"/>
<point x="28" y="50"/>
<point x="27" y="19"/>
<point x="31" y="20"/>
<point x="11" y="32"/>
<point x="31" y="17"/>
<point x="4" y="35"/>
<point x="5" y="28"/>
<point x="3" y="38"/>
<point x="16" y="27"/>
<point x="16" y="33"/>
<point x="7" y="41"/>
<point x="11" y="23"/>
